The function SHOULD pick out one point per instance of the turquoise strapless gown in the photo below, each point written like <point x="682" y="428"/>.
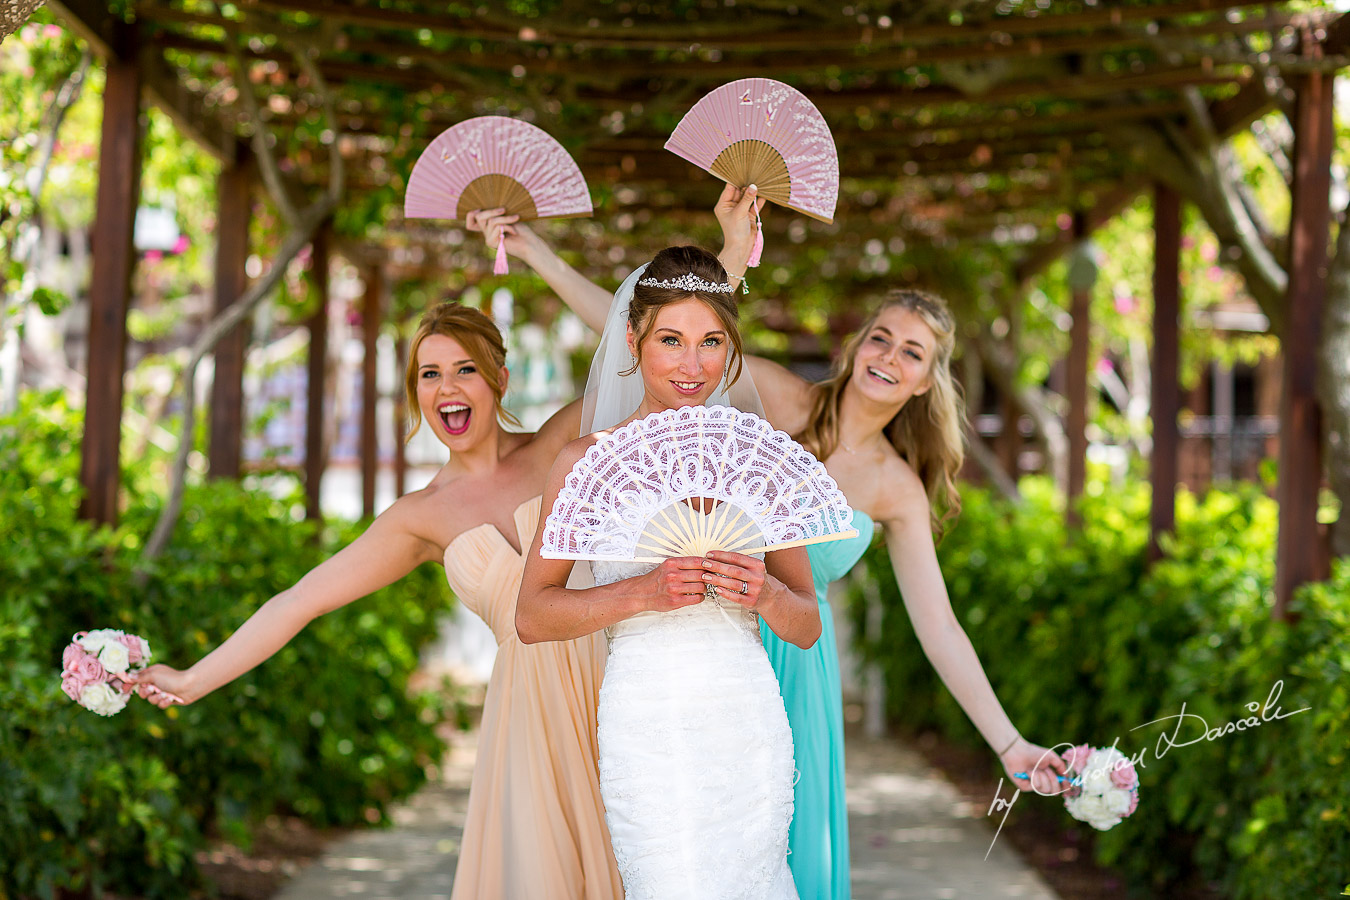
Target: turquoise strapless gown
<point x="809" y="680"/>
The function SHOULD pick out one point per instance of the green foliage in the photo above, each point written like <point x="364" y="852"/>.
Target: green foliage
<point x="1083" y="642"/>
<point x="327" y="729"/>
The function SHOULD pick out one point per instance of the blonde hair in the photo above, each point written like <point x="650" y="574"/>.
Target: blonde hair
<point x="668" y="265"/>
<point x="927" y="431"/>
<point x="479" y="337"/>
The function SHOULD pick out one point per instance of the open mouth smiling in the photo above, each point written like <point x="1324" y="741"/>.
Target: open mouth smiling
<point x="455" y="417"/>
<point x="881" y="376"/>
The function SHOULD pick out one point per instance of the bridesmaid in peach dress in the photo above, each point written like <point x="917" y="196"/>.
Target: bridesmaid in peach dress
<point x="537" y="746"/>
<point x="535" y="826"/>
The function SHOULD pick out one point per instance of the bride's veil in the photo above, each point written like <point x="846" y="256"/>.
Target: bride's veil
<point x="610" y="397"/>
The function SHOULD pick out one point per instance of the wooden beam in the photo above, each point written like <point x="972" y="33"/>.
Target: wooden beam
<point x="317" y="325"/>
<point x="370" y="395"/>
<point x="1301" y="553"/>
<point x="509" y="54"/>
<point x="119" y="180"/>
<point x="234" y="196"/>
<point x="91" y="21"/>
<point x="731" y="32"/>
<point x="1166" y="390"/>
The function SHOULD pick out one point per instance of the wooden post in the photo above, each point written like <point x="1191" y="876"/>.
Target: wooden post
<point x="1166" y="391"/>
<point x="1082" y="274"/>
<point x="400" y="416"/>
<point x="318" y="352"/>
<point x="235" y="199"/>
<point x="370" y="396"/>
<point x="1300" y="554"/>
<point x="119" y="179"/>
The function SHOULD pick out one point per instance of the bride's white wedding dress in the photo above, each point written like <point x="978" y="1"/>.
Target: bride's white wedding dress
<point x="696" y="766"/>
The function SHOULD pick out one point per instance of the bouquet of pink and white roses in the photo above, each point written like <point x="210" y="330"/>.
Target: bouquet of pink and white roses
<point x="92" y="664"/>
<point x="1103" y="786"/>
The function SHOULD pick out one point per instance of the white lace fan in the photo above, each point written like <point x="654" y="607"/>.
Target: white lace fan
<point x="495" y="161"/>
<point x="628" y="498"/>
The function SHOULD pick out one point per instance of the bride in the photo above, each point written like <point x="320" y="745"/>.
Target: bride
<point x="696" y="765"/>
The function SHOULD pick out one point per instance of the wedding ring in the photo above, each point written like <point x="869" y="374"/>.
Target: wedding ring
<point x="745" y="587"/>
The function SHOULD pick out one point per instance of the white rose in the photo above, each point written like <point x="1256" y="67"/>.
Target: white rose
<point x="1117" y="802"/>
<point x="114" y="657"/>
<point x="1105" y="823"/>
<point x="145" y="650"/>
<point x="102" y="699"/>
<point x="1097" y="771"/>
<point x="95" y="641"/>
<point x="1085" y="807"/>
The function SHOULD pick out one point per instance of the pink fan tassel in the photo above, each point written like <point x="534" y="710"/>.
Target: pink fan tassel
<point x="758" y="246"/>
<point x="500" y="268"/>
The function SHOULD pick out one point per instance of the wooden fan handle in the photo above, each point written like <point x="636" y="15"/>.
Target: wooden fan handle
<point x="494" y="190"/>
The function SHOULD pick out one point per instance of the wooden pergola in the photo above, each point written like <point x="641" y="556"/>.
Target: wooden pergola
<point x="996" y="123"/>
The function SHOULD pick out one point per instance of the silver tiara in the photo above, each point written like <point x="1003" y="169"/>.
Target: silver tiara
<point x="688" y="282"/>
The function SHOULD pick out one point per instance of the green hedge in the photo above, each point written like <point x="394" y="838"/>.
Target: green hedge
<point x="1084" y="642"/>
<point x="327" y="729"/>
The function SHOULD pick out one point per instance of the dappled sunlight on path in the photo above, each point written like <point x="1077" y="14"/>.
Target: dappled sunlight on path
<point x="913" y="838"/>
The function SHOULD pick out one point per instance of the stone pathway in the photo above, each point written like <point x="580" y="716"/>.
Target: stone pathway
<point x="913" y="838"/>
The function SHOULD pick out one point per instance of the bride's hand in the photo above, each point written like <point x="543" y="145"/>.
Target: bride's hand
<point x="737" y="577"/>
<point x="161" y="685"/>
<point x="1041" y="764"/>
<point x="676" y="583"/>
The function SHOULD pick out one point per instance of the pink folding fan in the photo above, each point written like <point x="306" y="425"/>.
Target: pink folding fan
<point x="494" y="161"/>
<point x="763" y="132"/>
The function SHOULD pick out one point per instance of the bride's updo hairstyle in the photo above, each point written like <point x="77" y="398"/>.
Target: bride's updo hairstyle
<point x="672" y="264"/>
<point x="478" y="335"/>
<point x="927" y="431"/>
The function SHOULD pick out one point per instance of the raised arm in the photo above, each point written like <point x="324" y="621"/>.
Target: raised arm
<point x="588" y="300"/>
<point x="386" y="552"/>
<point x="548" y="611"/>
<point x="944" y="641"/>
<point x="585" y="298"/>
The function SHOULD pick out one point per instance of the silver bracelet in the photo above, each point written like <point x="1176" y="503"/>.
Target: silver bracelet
<point x="1010" y="745"/>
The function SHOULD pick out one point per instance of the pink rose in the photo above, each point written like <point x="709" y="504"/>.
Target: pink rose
<point x="89" y="670"/>
<point x="70" y="657"/>
<point x="133" y="645"/>
<point x="1076" y="758"/>
<point x="1123" y="774"/>
<point x="73" y="685"/>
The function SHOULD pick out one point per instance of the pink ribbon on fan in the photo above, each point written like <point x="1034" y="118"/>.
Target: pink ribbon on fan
<point x="758" y="246"/>
<point x="500" y="267"/>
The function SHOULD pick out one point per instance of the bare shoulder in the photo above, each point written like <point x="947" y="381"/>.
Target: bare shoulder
<point x="787" y="396"/>
<point x="901" y="496"/>
<point x="575" y="449"/>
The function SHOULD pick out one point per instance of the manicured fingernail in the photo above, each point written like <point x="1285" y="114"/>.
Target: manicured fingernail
<point x="752" y="188"/>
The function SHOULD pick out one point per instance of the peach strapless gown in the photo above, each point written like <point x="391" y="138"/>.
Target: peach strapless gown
<point x="536" y="824"/>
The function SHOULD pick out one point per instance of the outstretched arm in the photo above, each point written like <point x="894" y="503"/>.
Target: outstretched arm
<point x="386" y="552"/>
<point x="944" y="641"/>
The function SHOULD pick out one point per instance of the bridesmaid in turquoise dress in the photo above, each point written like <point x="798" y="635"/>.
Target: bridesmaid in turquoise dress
<point x="809" y="681"/>
<point x="887" y="425"/>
